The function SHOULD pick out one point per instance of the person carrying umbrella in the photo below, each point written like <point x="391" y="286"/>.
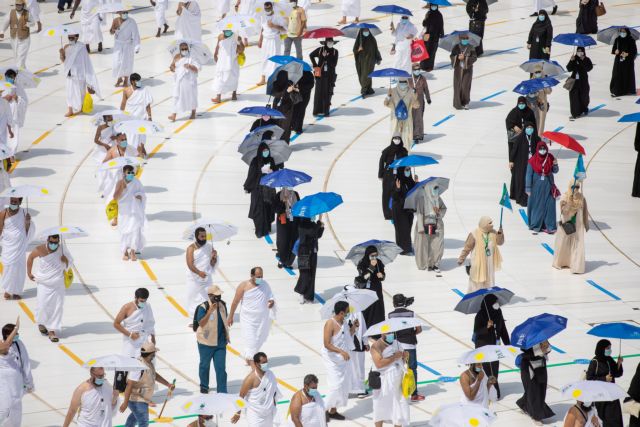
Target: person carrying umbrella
<point x="366" y="55"/>
<point x="394" y="151"/>
<point x="477" y="11"/>
<point x="582" y="415"/>
<point x="15" y="371"/>
<point x="533" y="373"/>
<point x="539" y="184"/>
<point x="304" y="87"/>
<point x="515" y="121"/>
<point x="568" y="249"/>
<point x="324" y="60"/>
<point x="579" y="65"/>
<point x="285" y="94"/>
<point x="420" y="87"/>
<point x="604" y="368"/>
<point x="309" y="232"/>
<point x="522" y="148"/>
<point x="463" y="56"/>
<point x="540" y="37"/>
<point x="402" y="218"/>
<point x="483" y="244"/>
<point x="403" y="34"/>
<point x="16" y="230"/>
<point x="476" y="385"/>
<point x="185" y="91"/>
<point x="286" y="226"/>
<point x="132" y="220"/>
<point x="433" y="29"/>
<point x="227" y="73"/>
<point x="537" y="101"/>
<point x="261" y="208"/>
<point x="625" y="51"/>
<point x="189" y="21"/>
<point x="428" y="239"/>
<point x="370" y="276"/>
<point x="136" y="101"/>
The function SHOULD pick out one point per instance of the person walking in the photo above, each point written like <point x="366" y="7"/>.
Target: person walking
<point x="428" y="238"/>
<point x="568" y="249"/>
<point x="623" y="76"/>
<point x="16" y="230"/>
<point x="367" y="56"/>
<point x="483" y="244"/>
<point x="94" y="401"/>
<point x="533" y="374"/>
<point x="402" y="102"/>
<point x="15" y="371"/>
<point x="402" y="218"/>
<point x="604" y="368"/>
<point x="307" y="407"/>
<point x="261" y="206"/>
<point x="324" y="61"/>
<point x="18" y="22"/>
<point x="582" y="415"/>
<point x="539" y="185"/>
<point x="371" y="275"/>
<point x="579" y="65"/>
<point x="295" y="29"/>
<point x="463" y="56"/>
<point x="394" y="151"/>
<point x="260" y="390"/>
<point x="540" y="37"/>
<point x="309" y="232"/>
<point x="433" y="29"/>
<point x="202" y="260"/>
<point x="420" y="87"/>
<point x="587" y="20"/>
<point x="477" y="11"/>
<point x="476" y="386"/>
<point x="286" y="227"/>
<point x="522" y="148"/>
<point x="136" y="323"/>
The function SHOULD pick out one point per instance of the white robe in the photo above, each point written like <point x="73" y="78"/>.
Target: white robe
<point x="143" y="322"/>
<point x="593" y="412"/>
<point x="539" y="5"/>
<point x="356" y="361"/>
<point x="20" y="47"/>
<point x="126" y="42"/>
<point x="189" y="22"/>
<point x="185" y="89"/>
<point x="90" y="21"/>
<point x="34" y="10"/>
<point x="6" y="119"/>
<point x="483" y="396"/>
<point x="227" y="71"/>
<point x="95" y="407"/>
<point x="136" y="106"/>
<point x="312" y="414"/>
<point x="388" y="402"/>
<point x="80" y="74"/>
<point x="5" y="182"/>
<point x="338" y="379"/>
<point x="159" y="11"/>
<point x="16" y="378"/>
<point x="50" y="289"/>
<point x="271" y="42"/>
<point x="402" y="59"/>
<point x="15" y="240"/>
<point x="108" y="178"/>
<point x="261" y="407"/>
<point x="255" y="318"/>
<point x="223" y="6"/>
<point x="351" y="8"/>
<point x="196" y="286"/>
<point x="131" y="217"/>
<point x="18" y="109"/>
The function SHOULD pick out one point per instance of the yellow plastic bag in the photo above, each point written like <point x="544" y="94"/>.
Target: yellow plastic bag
<point x="68" y="277"/>
<point x="112" y="210"/>
<point x="87" y="103"/>
<point x="408" y="383"/>
<point x="242" y="58"/>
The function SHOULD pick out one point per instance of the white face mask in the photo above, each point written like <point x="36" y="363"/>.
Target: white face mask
<point x="184" y="52"/>
<point x="580" y="54"/>
<point x="496" y="306"/>
<point x="125" y="16"/>
<point x="396" y="141"/>
<point x="329" y="45"/>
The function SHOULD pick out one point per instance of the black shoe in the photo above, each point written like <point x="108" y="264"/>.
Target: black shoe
<point x="554" y="10"/>
<point x="280" y="265"/>
<point x="204" y="390"/>
<point x="534" y="14"/>
<point x="336" y="416"/>
<point x="363" y="395"/>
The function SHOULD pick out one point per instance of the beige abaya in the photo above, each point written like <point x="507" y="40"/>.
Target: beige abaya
<point x="569" y="249"/>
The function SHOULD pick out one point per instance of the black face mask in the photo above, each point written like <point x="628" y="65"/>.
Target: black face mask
<point x="201" y="242"/>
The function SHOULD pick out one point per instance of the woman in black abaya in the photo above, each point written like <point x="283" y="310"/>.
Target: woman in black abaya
<point x="623" y="78"/>
<point x="604" y="368"/>
<point x="305" y="84"/>
<point x="324" y="59"/>
<point x="477" y="11"/>
<point x="516" y="119"/>
<point x="433" y="29"/>
<point x="308" y="234"/>
<point x="579" y="65"/>
<point x="634" y="394"/>
<point x="522" y="149"/>
<point x="402" y="218"/>
<point x="533" y="373"/>
<point x="367" y="55"/>
<point x="286" y="226"/>
<point x="261" y="209"/>
<point x="587" y="20"/>
<point x="489" y="329"/>
<point x="283" y="102"/>
<point x="371" y="272"/>
<point x="390" y="154"/>
<point x="540" y="37"/>
<point x="635" y="189"/>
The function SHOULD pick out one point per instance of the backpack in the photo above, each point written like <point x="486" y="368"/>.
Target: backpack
<point x="204" y="305"/>
<point x="401" y="111"/>
<point x="120" y="381"/>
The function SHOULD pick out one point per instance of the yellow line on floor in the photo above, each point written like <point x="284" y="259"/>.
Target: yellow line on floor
<point x="42" y="70"/>
<point x="71" y="354"/>
<point x="148" y="270"/>
<point x="497" y="22"/>
<point x="155" y="150"/>
<point x="219" y="104"/>
<point x="1" y="268"/>
<point x="182" y="126"/>
<point x="28" y="312"/>
<point x="41" y="137"/>
<point x="14" y="165"/>
<point x="177" y="306"/>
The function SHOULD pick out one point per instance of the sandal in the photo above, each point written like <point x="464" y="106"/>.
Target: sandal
<point x="53" y="338"/>
<point x="43" y="330"/>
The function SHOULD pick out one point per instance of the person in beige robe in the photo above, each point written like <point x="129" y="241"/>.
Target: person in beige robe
<point x="402" y="92"/>
<point x="538" y="102"/>
<point x="420" y="87"/>
<point x="430" y="211"/>
<point x="463" y="56"/>
<point x="483" y="244"/>
<point x="568" y="250"/>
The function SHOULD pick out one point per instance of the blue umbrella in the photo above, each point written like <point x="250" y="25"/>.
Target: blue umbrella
<point x="609" y="35"/>
<point x="439" y="2"/>
<point x="410" y="200"/>
<point x="316" y="204"/>
<point x="472" y="302"/>
<point x="284" y="178"/>
<point x="413" y="160"/>
<point x="573" y="39"/>
<point x="392" y="9"/>
<point x="621" y="331"/>
<point x="550" y="68"/>
<point x="638" y="101"/>
<point x="261" y="111"/>
<point x="285" y="59"/>
<point x="351" y="30"/>
<point x="630" y="118"/>
<point x="294" y="73"/>
<point x="390" y="72"/>
<point x="387" y="251"/>
<point x="533" y="85"/>
<point x="537" y="329"/>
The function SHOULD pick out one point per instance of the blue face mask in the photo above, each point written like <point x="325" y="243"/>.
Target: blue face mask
<point x="11" y="80"/>
<point x="464" y="42"/>
<point x="407" y="173"/>
<point x="477" y="368"/>
<point x="313" y="392"/>
<point x="607" y="352"/>
<point x="623" y="35"/>
<point x="53" y="246"/>
<point x="265" y="153"/>
<point x="227" y="33"/>
<point x="521" y="106"/>
<point x="123" y="144"/>
<point x="541" y="18"/>
<point x="98" y="381"/>
<point x="434" y="7"/>
<point x="141" y="305"/>
<point x="389" y="339"/>
<point x="129" y="177"/>
<point x="16" y="338"/>
<point x="365" y="33"/>
<point x="259" y="281"/>
<point x="14" y="207"/>
<point x="529" y="131"/>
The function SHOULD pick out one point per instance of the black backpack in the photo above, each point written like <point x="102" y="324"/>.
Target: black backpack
<point x="120" y="381"/>
<point x="204" y="305"/>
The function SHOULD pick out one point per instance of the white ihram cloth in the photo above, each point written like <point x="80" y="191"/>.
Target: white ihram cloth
<point x="351" y="8"/>
<point x="5" y="182"/>
<point x="159" y="10"/>
<point x="196" y="286"/>
<point x="131" y="217"/>
<point x="484" y="395"/>
<point x="50" y="288"/>
<point x="312" y="414"/>
<point x="388" y="402"/>
<point x="338" y="378"/>
<point x="90" y="22"/>
<point x="271" y="42"/>
<point x="189" y="22"/>
<point x="15" y="372"/>
<point x="80" y="75"/>
<point x="185" y="88"/>
<point x="227" y="68"/>
<point x="255" y="318"/>
<point x="14" y="241"/>
<point x="34" y="10"/>
<point x="95" y="407"/>
<point x="402" y="59"/>
<point x="261" y="401"/>
<point x="356" y="361"/>
<point x="99" y="152"/>
<point x="6" y="118"/>
<point x="108" y="178"/>
<point x="136" y="106"/>
<point x="18" y="109"/>
<point x="539" y="5"/>
<point x="141" y="321"/>
<point x="223" y="7"/>
<point x="126" y="42"/>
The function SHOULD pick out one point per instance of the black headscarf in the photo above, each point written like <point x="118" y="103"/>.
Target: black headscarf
<point x="518" y="117"/>
<point x="405" y="180"/>
<point x="264" y="160"/>
<point x="600" y="348"/>
<point x="364" y="261"/>
<point x="487" y="312"/>
<point x="541" y="26"/>
<point x="634" y="387"/>
<point x="369" y="44"/>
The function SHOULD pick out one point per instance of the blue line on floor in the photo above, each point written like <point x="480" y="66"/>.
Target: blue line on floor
<point x="290" y="271"/>
<point x="426" y="368"/>
<point x="268" y="239"/>
<point x="596" y="108"/>
<point x="356" y="98"/>
<point x="458" y="292"/>
<point x="493" y="95"/>
<point x="294" y="137"/>
<point x="548" y="248"/>
<point x="319" y="298"/>
<point x="439" y="122"/>
<point x="443" y="66"/>
<point x="500" y="52"/>
<point x="333" y="110"/>
<point x="601" y="289"/>
<point x="557" y="350"/>
<point x="558" y="129"/>
<point x="524" y="216"/>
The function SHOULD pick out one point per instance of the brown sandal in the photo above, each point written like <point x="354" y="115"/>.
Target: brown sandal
<point x="53" y="338"/>
<point x="43" y="330"/>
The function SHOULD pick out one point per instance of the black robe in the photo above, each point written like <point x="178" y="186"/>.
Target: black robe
<point x="518" y="117"/>
<point x="635" y="189"/>
<point x="609" y="412"/>
<point x="375" y="312"/>
<point x="623" y="79"/>
<point x="287" y="232"/>
<point x="259" y="123"/>
<point x="535" y="389"/>
<point x="261" y="210"/>
<point x="282" y="102"/>
<point x="402" y="218"/>
<point x="308" y="233"/>
<point x="579" y="94"/>
<point x="522" y="149"/>
<point x="327" y="80"/>
<point x="305" y="84"/>
<point x="490" y="336"/>
<point x="477" y="19"/>
<point x="366" y="60"/>
<point x="434" y="26"/>
<point x="634" y="393"/>
<point x="388" y="176"/>
<point x="587" y="20"/>
<point x="540" y="36"/>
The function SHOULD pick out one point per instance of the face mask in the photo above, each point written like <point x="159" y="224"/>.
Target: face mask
<point x="125" y="16"/>
<point x="259" y="281"/>
<point x="529" y="131"/>
<point x="623" y="35"/>
<point x="98" y="381"/>
<point x="265" y="153"/>
<point x="541" y="18"/>
<point x="184" y="52"/>
<point x="435" y="191"/>
<point x="496" y="306"/>
<point x="521" y="106"/>
<point x="407" y="173"/>
<point x="464" y="42"/>
<point x="607" y="352"/>
<point x="227" y="33"/>
<point x="123" y="144"/>
<point x="366" y="33"/>
<point x="72" y="42"/>
<point x="403" y="86"/>
<point x="538" y="74"/>
<point x="434" y="7"/>
<point x="542" y="152"/>
<point x="396" y="141"/>
<point x="269" y="12"/>
<point x="264" y="366"/>
<point x="389" y="339"/>
<point x="141" y="305"/>
<point x="14" y="207"/>
<point x="313" y="392"/>
<point x="373" y="257"/>
<point x="53" y="246"/>
<point x="129" y="177"/>
<point x="10" y="80"/>
<point x="416" y="72"/>
<point x="477" y="368"/>
<point x="16" y="338"/>
<point x="329" y="45"/>
<point x="266" y="118"/>
<point x="587" y="404"/>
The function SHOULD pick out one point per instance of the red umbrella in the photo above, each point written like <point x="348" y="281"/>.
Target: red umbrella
<point x="565" y="140"/>
<point x="322" y="33"/>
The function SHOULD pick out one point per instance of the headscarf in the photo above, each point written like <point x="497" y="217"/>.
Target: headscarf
<point x="368" y="44"/>
<point x="405" y="180"/>
<point x="581" y="49"/>
<point x="533" y="139"/>
<point x="634" y="387"/>
<point x="600" y="348"/>
<point x="487" y="312"/>
<point x="485" y="231"/>
<point x="364" y="261"/>
<point x="485" y="224"/>
<point x="289" y="198"/>
<point x="541" y="26"/>
<point x="541" y="165"/>
<point x="429" y="201"/>
<point x="573" y="197"/>
<point x="264" y="160"/>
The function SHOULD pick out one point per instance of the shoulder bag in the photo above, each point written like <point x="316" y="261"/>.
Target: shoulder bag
<point x="569" y="83"/>
<point x="600" y="9"/>
<point x="374" y="381"/>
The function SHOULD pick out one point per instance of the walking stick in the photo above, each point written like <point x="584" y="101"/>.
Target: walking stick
<point x="160" y="418"/>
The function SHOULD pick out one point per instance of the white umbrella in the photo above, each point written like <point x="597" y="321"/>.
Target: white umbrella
<point x="120" y="162"/>
<point x="462" y="415"/>
<point x="66" y="231"/>
<point x="139" y="127"/>
<point x="593" y="391"/>
<point x="118" y="116"/>
<point x="197" y="50"/>
<point x="25" y="78"/>
<point x="115" y="362"/>
<point x="238" y="22"/>
<point x="489" y="353"/>
<point x="216" y="230"/>
<point x="5" y="152"/>
<point x="61" y="31"/>
<point x="25" y="191"/>
<point x="280" y="8"/>
<point x="4" y="85"/>
<point x="112" y="8"/>
<point x="213" y="404"/>
<point x="393" y="325"/>
<point x="358" y="299"/>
